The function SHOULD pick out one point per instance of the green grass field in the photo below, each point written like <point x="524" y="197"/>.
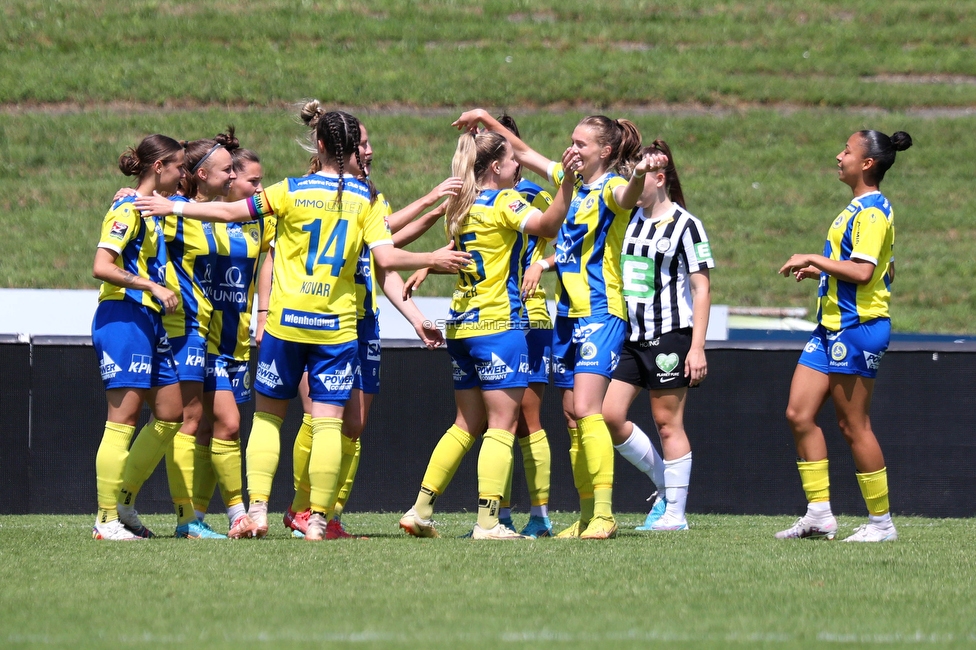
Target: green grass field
<point x="725" y="582"/>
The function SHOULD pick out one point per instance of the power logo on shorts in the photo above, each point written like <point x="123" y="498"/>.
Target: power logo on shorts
<point x="338" y="381"/>
<point x="873" y="361"/>
<point x="267" y="375"/>
<point x="456" y="370"/>
<point x="494" y="370"/>
<point x="108" y="367"/>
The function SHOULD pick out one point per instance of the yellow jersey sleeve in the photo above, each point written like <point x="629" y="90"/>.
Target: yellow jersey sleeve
<point x="138" y="244"/>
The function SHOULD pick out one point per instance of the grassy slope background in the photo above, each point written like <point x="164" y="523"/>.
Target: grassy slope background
<point x="755" y="100"/>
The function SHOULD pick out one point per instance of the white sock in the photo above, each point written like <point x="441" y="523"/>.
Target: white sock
<point x="539" y="511"/>
<point x="234" y="512"/>
<point x="882" y="520"/>
<point x="642" y="454"/>
<point x="820" y="509"/>
<point x="677" y="475"/>
<point x="504" y="513"/>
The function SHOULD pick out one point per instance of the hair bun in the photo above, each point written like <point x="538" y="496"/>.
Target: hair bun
<point x="901" y="141"/>
<point x="311" y="112"/>
<point x="129" y="162"/>
<point x="227" y="140"/>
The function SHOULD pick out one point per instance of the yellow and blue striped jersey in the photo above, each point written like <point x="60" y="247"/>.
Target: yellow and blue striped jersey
<point x="233" y="282"/>
<point x="317" y="246"/>
<point x="365" y="275"/>
<point x="138" y="242"/>
<point x="535" y="312"/>
<point x="865" y="230"/>
<point x="191" y="248"/>
<point x="588" y="249"/>
<point x="487" y="296"/>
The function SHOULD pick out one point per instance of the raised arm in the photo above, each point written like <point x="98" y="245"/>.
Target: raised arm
<point x="546" y="224"/>
<point x="444" y="259"/>
<point x="402" y="217"/>
<point x="524" y="154"/>
<point x="628" y="195"/>
<point x="159" y="206"/>
<point x="413" y="230"/>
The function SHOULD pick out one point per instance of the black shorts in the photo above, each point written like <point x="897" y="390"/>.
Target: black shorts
<point x="658" y="364"/>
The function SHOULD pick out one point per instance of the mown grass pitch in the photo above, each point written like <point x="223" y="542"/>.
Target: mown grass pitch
<point x="725" y="582"/>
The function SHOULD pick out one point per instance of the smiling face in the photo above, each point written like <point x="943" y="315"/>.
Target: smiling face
<point x="365" y="154"/>
<point x="216" y="175"/>
<point x="247" y="183"/>
<point x="593" y="155"/>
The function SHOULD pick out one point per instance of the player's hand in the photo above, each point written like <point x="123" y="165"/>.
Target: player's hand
<point x="262" y="320"/>
<point x="795" y="263"/>
<point x="695" y="366"/>
<point x="448" y="260"/>
<point x="165" y="296"/>
<point x="651" y="162"/>
<point x="530" y="279"/>
<point x="122" y="193"/>
<point x="571" y="163"/>
<point x="807" y="273"/>
<point x="448" y="187"/>
<point x="469" y="120"/>
<point x="156" y="205"/>
<point x="414" y="282"/>
<point x="429" y="334"/>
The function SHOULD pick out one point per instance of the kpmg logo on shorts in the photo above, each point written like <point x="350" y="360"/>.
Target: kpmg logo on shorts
<point x="140" y="363"/>
<point x="810" y="347"/>
<point x="337" y="381"/>
<point x="195" y="358"/>
<point x="523" y="363"/>
<point x="580" y="334"/>
<point x="457" y="372"/>
<point x="838" y="351"/>
<point x="267" y="375"/>
<point x="217" y="371"/>
<point x="558" y="366"/>
<point x="494" y="370"/>
<point x="309" y="321"/>
<point x="373" y="350"/>
<point x="108" y="367"/>
<point x="873" y="361"/>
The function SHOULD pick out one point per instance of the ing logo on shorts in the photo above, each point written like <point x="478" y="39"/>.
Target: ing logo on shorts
<point x="838" y="351"/>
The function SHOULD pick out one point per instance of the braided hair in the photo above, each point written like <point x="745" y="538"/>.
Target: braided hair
<point x="340" y="133"/>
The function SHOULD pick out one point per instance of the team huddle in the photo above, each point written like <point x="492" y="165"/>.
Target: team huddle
<point x="180" y="255"/>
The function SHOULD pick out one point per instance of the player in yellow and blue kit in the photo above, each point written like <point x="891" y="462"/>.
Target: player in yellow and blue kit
<point x="488" y="350"/>
<point x="590" y="319"/>
<point x="134" y="353"/>
<point x="323" y="220"/>
<point x="841" y="359"/>
<point x="191" y="247"/>
<point x="239" y="247"/>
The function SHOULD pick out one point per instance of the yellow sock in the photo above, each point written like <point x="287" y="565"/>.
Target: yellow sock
<point x="325" y="462"/>
<point x="595" y="439"/>
<point x="225" y="456"/>
<point x="494" y="468"/>
<point x="506" y="500"/>
<point x="874" y="489"/>
<point x="109" y="463"/>
<point x="204" y="478"/>
<point x="581" y="476"/>
<point x="347" y="473"/>
<point x="263" y="449"/>
<point x="179" y="472"/>
<point x="444" y="461"/>
<point x="147" y="450"/>
<point x="537" y="459"/>
<point x="299" y="455"/>
<point x="815" y="480"/>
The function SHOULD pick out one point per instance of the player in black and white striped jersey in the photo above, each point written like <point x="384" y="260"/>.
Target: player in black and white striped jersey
<point x="665" y="266"/>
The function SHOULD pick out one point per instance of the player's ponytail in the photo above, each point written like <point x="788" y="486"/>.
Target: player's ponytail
<point x="882" y="149"/>
<point x="198" y="155"/>
<point x="472" y="160"/>
<point x="671" y="182"/>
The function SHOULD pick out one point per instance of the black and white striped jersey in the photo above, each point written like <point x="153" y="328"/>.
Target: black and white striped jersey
<point x="658" y="257"/>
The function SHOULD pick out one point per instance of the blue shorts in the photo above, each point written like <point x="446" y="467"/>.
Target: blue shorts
<point x="539" y="342"/>
<point x="281" y="365"/>
<point x="367" y="376"/>
<point x="854" y="350"/>
<point x="132" y="347"/>
<point x="586" y="345"/>
<point x="190" y="352"/>
<point x="490" y="362"/>
<point x="227" y="373"/>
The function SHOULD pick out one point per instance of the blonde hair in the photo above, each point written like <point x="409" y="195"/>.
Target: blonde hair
<point x="472" y="159"/>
